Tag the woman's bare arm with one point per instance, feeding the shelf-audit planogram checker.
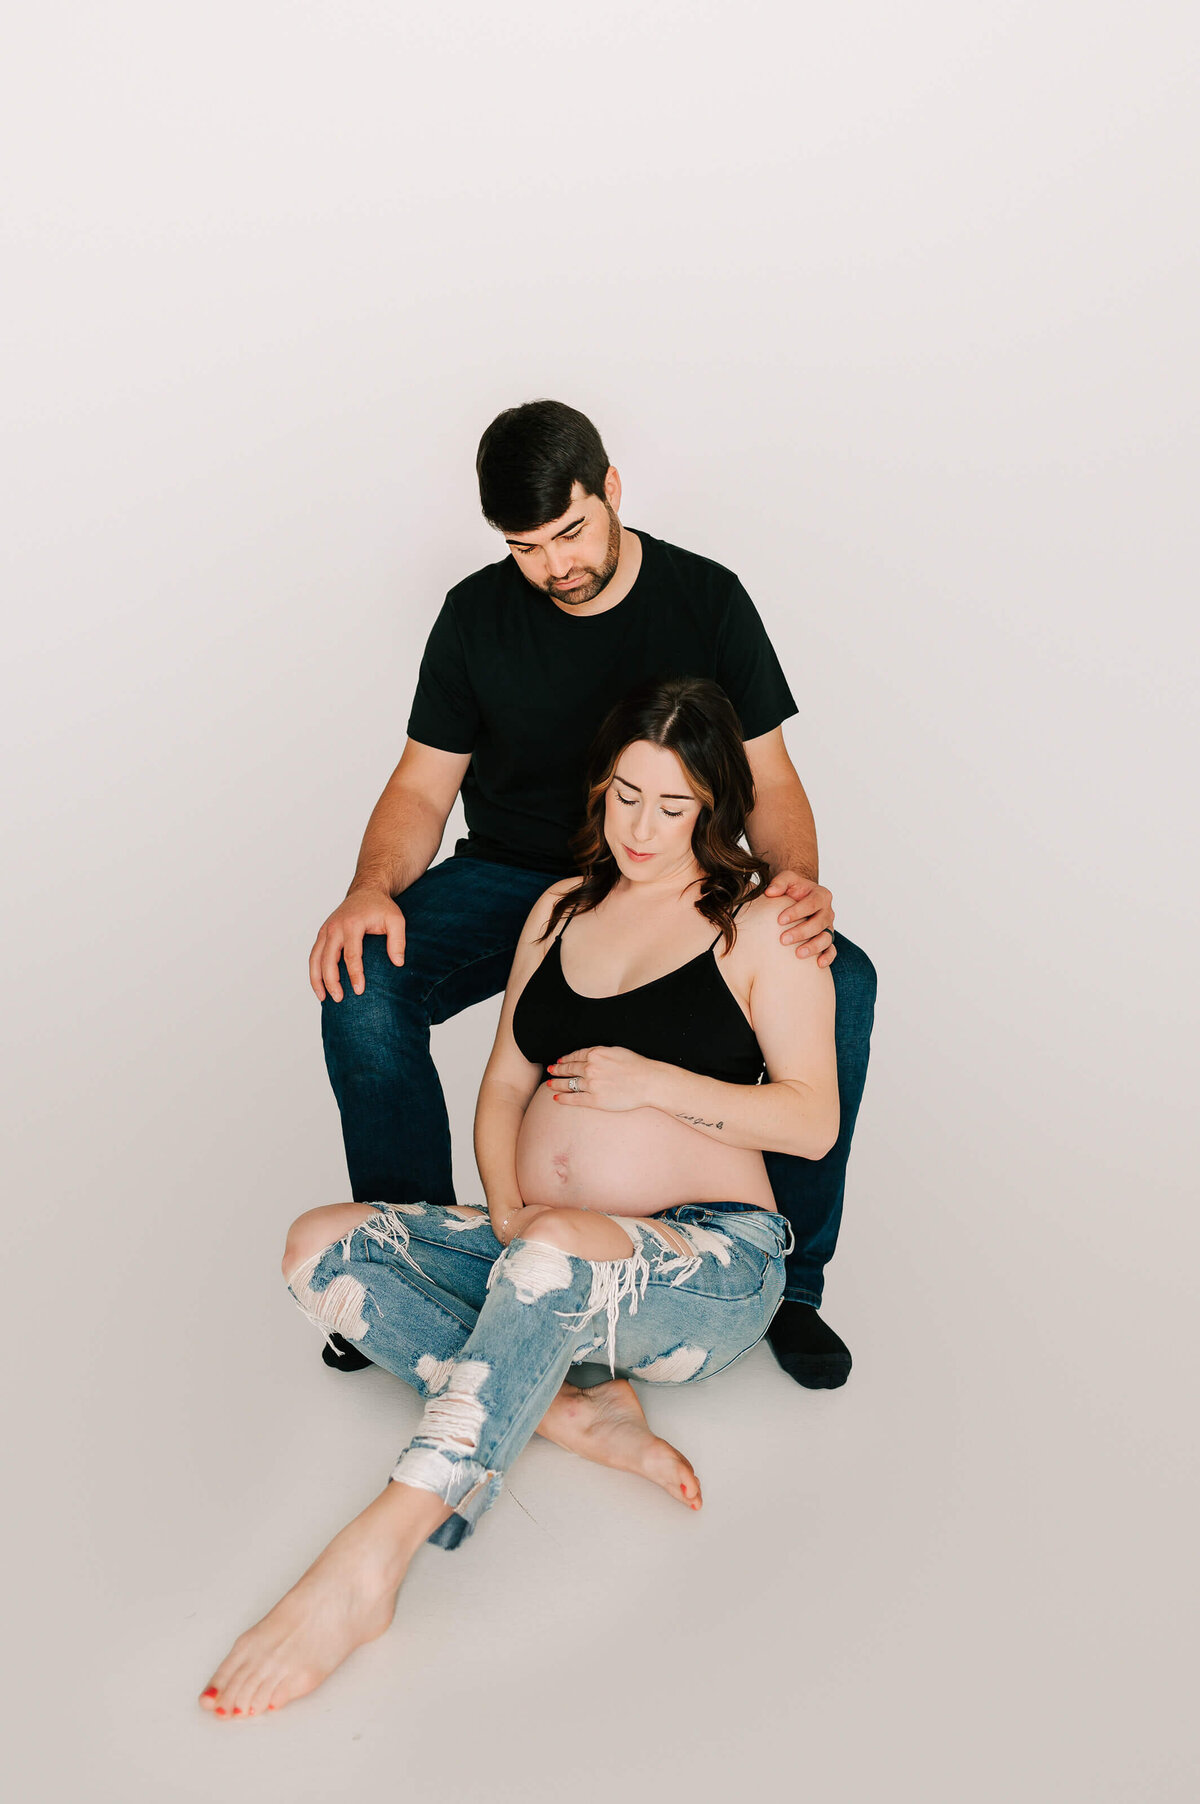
(509, 1082)
(791, 1005)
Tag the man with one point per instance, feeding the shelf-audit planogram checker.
(522, 664)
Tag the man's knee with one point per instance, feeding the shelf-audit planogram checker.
(371, 1032)
(854, 977)
(400, 984)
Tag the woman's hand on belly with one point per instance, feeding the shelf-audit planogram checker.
(603, 1077)
(631, 1163)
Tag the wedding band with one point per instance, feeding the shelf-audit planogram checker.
(574, 1083)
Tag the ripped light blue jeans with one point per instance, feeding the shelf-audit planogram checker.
(487, 1334)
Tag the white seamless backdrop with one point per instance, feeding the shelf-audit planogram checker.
(892, 310)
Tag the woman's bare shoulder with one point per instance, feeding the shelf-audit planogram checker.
(760, 937)
(539, 915)
(757, 916)
(753, 922)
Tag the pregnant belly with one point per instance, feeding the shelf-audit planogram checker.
(630, 1163)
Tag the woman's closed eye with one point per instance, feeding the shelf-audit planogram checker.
(672, 814)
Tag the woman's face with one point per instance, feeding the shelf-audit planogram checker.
(650, 809)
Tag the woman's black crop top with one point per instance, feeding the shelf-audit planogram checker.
(688, 1018)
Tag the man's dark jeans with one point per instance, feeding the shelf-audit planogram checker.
(464, 917)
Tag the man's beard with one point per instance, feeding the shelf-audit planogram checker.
(595, 580)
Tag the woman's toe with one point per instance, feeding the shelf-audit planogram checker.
(218, 1695)
(260, 1697)
(250, 1683)
(215, 1699)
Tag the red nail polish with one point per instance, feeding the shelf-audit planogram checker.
(237, 1710)
(270, 1706)
(220, 1710)
(210, 1693)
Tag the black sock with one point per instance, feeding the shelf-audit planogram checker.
(343, 1355)
(807, 1348)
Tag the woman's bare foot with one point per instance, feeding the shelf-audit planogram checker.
(346, 1597)
(606, 1424)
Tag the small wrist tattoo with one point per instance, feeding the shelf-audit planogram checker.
(697, 1121)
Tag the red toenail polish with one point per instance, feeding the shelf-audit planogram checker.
(210, 1693)
(220, 1709)
(237, 1710)
(270, 1706)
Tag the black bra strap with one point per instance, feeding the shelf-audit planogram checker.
(737, 911)
(566, 922)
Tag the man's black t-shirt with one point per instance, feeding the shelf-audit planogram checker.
(523, 687)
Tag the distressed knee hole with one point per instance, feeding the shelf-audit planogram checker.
(581, 1233)
(534, 1268)
(339, 1309)
(314, 1232)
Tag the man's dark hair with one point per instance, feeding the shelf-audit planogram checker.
(529, 460)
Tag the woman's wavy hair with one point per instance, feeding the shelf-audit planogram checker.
(693, 718)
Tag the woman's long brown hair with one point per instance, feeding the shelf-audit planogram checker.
(693, 718)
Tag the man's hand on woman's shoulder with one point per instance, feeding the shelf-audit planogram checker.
(364, 911)
(806, 920)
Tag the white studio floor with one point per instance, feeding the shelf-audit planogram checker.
(891, 309)
(958, 1578)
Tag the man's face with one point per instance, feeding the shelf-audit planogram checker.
(573, 558)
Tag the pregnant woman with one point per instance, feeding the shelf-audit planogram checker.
(655, 1039)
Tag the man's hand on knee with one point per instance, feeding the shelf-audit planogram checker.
(364, 911)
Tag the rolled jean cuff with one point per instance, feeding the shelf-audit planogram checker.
(464, 1484)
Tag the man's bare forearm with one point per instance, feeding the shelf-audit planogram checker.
(782, 831)
(400, 843)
